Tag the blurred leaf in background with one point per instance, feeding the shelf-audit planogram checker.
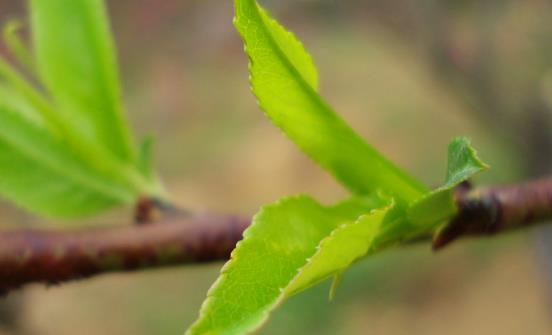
(68, 153)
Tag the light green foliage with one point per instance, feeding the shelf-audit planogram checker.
(145, 159)
(297, 243)
(76, 62)
(68, 153)
(284, 80)
(16, 46)
(345, 244)
(40, 174)
(290, 246)
(463, 163)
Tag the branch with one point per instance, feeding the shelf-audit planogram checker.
(28, 256)
(34, 256)
(492, 210)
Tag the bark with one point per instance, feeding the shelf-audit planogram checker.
(492, 210)
(53, 257)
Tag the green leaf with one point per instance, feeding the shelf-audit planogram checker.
(437, 206)
(284, 79)
(68, 154)
(39, 172)
(145, 158)
(291, 245)
(12, 98)
(16, 46)
(337, 252)
(76, 60)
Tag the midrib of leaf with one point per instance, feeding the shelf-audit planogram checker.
(13, 98)
(126, 147)
(21, 85)
(95, 156)
(48, 22)
(69, 174)
(401, 184)
(56, 165)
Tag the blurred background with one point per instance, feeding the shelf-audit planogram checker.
(408, 75)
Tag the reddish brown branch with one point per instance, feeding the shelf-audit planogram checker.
(492, 210)
(28, 256)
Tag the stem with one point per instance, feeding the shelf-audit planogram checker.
(29, 256)
(492, 210)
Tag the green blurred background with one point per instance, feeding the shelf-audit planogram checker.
(408, 75)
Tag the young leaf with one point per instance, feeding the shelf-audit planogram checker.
(145, 158)
(337, 252)
(76, 60)
(290, 246)
(40, 173)
(284, 79)
(69, 157)
(16, 46)
(463, 163)
(11, 97)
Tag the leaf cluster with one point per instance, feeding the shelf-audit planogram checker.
(296, 242)
(66, 149)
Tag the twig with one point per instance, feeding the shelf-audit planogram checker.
(28, 256)
(492, 210)
(34, 256)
